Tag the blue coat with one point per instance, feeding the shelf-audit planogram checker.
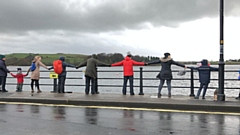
(204, 72)
(3, 68)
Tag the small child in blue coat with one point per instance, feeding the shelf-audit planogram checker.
(204, 76)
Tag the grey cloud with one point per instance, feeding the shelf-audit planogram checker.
(107, 15)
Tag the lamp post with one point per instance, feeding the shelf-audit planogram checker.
(221, 95)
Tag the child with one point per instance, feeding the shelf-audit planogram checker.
(204, 76)
(20, 80)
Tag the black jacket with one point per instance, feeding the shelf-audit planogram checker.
(3, 68)
(204, 72)
(166, 72)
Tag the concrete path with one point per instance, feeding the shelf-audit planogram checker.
(117, 100)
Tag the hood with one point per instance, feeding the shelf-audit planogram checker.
(62, 58)
(94, 56)
(127, 58)
(204, 62)
(165, 59)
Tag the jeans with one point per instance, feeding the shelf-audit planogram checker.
(125, 80)
(204, 86)
(161, 85)
(3, 82)
(61, 84)
(19, 87)
(87, 85)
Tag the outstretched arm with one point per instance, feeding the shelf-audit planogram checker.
(154, 62)
(178, 64)
(138, 63)
(13, 75)
(214, 69)
(117, 64)
(68, 65)
(82, 64)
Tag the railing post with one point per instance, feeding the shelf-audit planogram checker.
(96, 83)
(141, 82)
(55, 85)
(192, 84)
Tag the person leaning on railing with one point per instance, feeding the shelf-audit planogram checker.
(166, 72)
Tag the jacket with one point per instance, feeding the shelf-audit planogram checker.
(91, 67)
(204, 71)
(64, 65)
(19, 77)
(128, 64)
(36, 73)
(3, 68)
(166, 71)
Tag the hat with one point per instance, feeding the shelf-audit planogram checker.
(19, 69)
(2, 56)
(166, 54)
(129, 53)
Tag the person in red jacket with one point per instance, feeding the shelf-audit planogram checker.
(20, 79)
(128, 64)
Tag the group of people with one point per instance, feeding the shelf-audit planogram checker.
(91, 64)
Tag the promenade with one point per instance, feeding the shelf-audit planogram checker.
(182, 103)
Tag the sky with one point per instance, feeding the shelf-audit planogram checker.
(188, 29)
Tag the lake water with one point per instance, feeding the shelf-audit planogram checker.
(75, 77)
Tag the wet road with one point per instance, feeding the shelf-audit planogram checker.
(62, 120)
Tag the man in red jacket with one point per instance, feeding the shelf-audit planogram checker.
(128, 64)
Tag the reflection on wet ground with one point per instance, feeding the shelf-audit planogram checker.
(63, 118)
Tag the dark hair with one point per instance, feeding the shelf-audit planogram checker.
(166, 55)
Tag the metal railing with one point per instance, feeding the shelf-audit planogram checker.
(141, 79)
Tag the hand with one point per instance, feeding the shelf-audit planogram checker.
(145, 64)
(49, 68)
(109, 65)
(185, 67)
(76, 67)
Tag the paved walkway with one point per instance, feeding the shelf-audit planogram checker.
(118, 100)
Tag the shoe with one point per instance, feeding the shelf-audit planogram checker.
(97, 92)
(169, 95)
(203, 97)
(196, 97)
(32, 91)
(132, 94)
(159, 95)
(4, 91)
(124, 94)
(39, 91)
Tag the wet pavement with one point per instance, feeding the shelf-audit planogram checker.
(63, 120)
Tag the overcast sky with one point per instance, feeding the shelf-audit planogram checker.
(188, 29)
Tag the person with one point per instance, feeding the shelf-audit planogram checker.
(165, 72)
(204, 76)
(128, 64)
(35, 75)
(3, 73)
(91, 73)
(62, 76)
(20, 79)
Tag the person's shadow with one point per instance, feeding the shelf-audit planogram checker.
(91, 115)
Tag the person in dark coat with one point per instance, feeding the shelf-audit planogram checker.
(204, 76)
(91, 73)
(166, 72)
(3, 72)
(62, 76)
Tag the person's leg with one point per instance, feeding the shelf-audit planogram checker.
(4, 83)
(199, 91)
(32, 83)
(63, 84)
(87, 84)
(124, 90)
(204, 90)
(93, 85)
(59, 83)
(0, 83)
(131, 85)
(20, 87)
(160, 87)
(37, 85)
(169, 88)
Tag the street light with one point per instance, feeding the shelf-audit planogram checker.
(221, 95)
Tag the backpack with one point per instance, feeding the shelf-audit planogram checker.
(57, 65)
(33, 66)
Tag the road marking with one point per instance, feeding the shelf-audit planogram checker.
(124, 108)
